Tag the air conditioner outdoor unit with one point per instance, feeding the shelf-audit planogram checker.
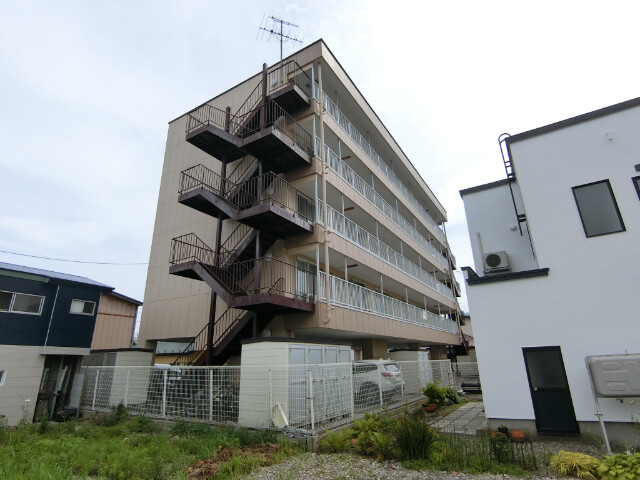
(496, 262)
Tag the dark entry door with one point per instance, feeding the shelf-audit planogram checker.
(550, 393)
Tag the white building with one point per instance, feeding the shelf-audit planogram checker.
(556, 272)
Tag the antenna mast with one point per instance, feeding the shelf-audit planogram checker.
(275, 28)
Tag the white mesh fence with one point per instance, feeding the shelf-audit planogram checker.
(306, 398)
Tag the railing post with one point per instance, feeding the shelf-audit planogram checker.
(310, 397)
(227, 119)
(264, 97)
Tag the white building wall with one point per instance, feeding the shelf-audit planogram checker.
(23, 366)
(588, 304)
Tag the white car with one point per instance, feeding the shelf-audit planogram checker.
(376, 382)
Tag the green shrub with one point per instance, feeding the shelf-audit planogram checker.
(574, 464)
(335, 442)
(452, 395)
(370, 423)
(435, 393)
(500, 447)
(620, 467)
(414, 438)
(142, 424)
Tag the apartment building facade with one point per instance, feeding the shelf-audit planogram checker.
(555, 277)
(283, 192)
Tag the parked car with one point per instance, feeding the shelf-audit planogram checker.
(373, 379)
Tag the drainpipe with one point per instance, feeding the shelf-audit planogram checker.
(53, 309)
(324, 199)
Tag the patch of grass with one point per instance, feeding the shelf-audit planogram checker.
(132, 448)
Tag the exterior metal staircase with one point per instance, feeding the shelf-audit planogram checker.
(261, 136)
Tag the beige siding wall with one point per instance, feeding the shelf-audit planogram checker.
(114, 323)
(23, 366)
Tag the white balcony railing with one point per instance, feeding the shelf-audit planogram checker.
(348, 229)
(354, 297)
(345, 172)
(365, 146)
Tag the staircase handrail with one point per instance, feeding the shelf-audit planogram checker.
(235, 238)
(277, 190)
(242, 167)
(224, 323)
(277, 117)
(287, 73)
(190, 247)
(200, 176)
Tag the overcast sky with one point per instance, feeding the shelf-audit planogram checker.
(87, 89)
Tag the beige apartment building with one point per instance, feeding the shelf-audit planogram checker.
(284, 191)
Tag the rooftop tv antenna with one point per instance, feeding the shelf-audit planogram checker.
(279, 29)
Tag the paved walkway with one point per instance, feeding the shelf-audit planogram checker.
(468, 419)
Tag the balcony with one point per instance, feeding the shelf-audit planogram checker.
(354, 297)
(290, 86)
(348, 229)
(263, 284)
(352, 178)
(262, 202)
(335, 113)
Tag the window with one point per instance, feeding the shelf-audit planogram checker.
(3, 374)
(598, 209)
(21, 303)
(83, 307)
(636, 182)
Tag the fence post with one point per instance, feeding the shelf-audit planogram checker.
(270, 394)
(310, 397)
(380, 386)
(126, 389)
(164, 393)
(352, 396)
(95, 390)
(211, 395)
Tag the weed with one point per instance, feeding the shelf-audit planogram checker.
(575, 465)
(414, 438)
(335, 442)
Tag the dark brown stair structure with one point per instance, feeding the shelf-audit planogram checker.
(265, 201)
(265, 284)
(261, 136)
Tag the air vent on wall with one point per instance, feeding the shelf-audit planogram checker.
(496, 262)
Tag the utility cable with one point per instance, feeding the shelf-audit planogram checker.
(72, 261)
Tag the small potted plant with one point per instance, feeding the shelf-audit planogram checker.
(429, 407)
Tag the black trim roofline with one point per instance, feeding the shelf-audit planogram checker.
(486, 186)
(618, 107)
(474, 279)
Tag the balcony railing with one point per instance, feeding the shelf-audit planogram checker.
(200, 176)
(352, 178)
(348, 229)
(354, 297)
(356, 136)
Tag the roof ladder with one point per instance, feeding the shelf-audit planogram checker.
(511, 174)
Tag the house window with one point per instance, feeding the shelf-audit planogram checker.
(83, 307)
(3, 374)
(21, 303)
(598, 209)
(636, 183)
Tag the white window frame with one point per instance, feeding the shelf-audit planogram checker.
(13, 299)
(83, 304)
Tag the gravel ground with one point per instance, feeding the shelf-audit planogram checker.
(353, 467)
